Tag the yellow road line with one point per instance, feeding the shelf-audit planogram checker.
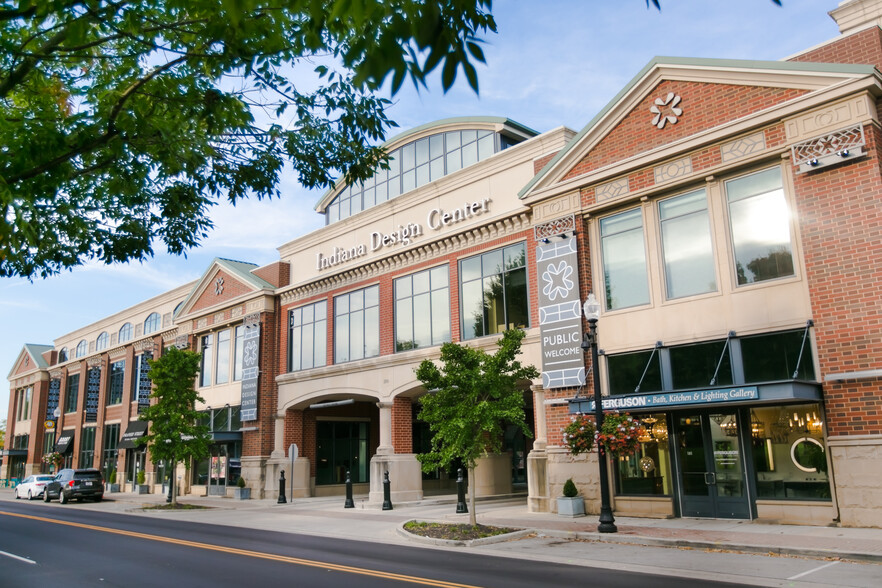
(249, 553)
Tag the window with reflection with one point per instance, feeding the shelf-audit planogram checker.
(308, 336)
(222, 369)
(778, 356)
(116, 379)
(102, 341)
(63, 355)
(789, 452)
(760, 223)
(697, 365)
(624, 260)
(125, 333)
(72, 393)
(82, 348)
(648, 471)
(357, 325)
(87, 448)
(342, 446)
(207, 360)
(630, 373)
(238, 351)
(152, 324)
(494, 296)
(422, 309)
(686, 245)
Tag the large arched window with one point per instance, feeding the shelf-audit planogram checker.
(152, 323)
(101, 341)
(82, 348)
(63, 354)
(125, 333)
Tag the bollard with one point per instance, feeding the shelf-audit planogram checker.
(349, 503)
(282, 489)
(387, 501)
(460, 493)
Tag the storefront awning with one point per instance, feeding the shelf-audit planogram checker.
(771, 393)
(65, 440)
(136, 430)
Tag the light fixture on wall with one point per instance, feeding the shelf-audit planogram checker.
(757, 427)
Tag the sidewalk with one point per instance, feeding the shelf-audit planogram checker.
(326, 516)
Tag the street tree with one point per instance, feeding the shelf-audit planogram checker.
(2, 433)
(471, 399)
(122, 122)
(175, 435)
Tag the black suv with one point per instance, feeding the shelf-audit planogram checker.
(69, 484)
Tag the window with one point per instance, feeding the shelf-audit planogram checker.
(695, 366)
(63, 354)
(494, 292)
(627, 371)
(152, 324)
(624, 260)
(646, 472)
(205, 370)
(117, 377)
(87, 448)
(789, 452)
(222, 373)
(357, 325)
(110, 453)
(422, 309)
(48, 447)
(23, 402)
(82, 348)
(101, 341)
(238, 356)
(141, 384)
(125, 333)
(71, 393)
(308, 336)
(777, 356)
(686, 245)
(760, 224)
(342, 446)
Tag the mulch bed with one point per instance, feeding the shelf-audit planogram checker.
(455, 532)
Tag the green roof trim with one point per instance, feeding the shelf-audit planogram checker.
(240, 269)
(703, 62)
(493, 120)
(36, 352)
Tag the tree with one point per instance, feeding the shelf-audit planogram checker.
(2, 433)
(175, 435)
(122, 122)
(472, 397)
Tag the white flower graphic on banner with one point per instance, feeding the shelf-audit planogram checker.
(557, 280)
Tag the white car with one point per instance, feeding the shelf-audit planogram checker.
(32, 486)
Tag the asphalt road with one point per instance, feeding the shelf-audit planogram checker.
(44, 545)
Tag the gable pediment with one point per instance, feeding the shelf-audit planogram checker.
(224, 282)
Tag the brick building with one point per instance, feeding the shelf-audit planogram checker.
(724, 213)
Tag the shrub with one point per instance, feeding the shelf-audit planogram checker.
(569, 489)
(240, 482)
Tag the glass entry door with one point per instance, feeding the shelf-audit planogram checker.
(217, 470)
(711, 465)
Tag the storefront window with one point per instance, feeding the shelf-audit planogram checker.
(777, 356)
(760, 222)
(624, 260)
(648, 471)
(789, 452)
(686, 244)
(628, 371)
(494, 292)
(701, 365)
(110, 453)
(422, 309)
(87, 448)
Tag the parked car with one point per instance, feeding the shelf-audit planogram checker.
(32, 486)
(80, 484)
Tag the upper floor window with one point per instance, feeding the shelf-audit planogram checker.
(238, 351)
(82, 348)
(207, 360)
(222, 371)
(760, 222)
(152, 324)
(116, 380)
(357, 325)
(125, 333)
(686, 245)
(494, 292)
(102, 341)
(422, 309)
(308, 336)
(416, 164)
(24, 397)
(624, 260)
(72, 393)
(63, 354)
(222, 356)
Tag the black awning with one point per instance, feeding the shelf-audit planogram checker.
(136, 430)
(65, 440)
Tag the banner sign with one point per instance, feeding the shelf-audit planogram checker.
(662, 399)
(93, 393)
(560, 314)
(250, 366)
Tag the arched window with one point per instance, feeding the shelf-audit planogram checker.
(152, 323)
(125, 333)
(82, 348)
(62, 355)
(101, 341)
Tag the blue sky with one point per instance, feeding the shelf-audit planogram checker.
(557, 65)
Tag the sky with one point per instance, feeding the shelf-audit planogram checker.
(547, 67)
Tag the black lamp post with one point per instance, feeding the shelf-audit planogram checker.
(592, 314)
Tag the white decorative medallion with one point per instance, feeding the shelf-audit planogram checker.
(666, 110)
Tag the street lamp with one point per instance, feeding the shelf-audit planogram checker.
(592, 313)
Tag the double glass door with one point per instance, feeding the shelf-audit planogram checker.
(711, 465)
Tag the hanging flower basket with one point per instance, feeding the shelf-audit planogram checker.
(579, 434)
(620, 434)
(53, 458)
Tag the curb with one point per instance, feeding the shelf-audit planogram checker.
(461, 543)
(696, 544)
